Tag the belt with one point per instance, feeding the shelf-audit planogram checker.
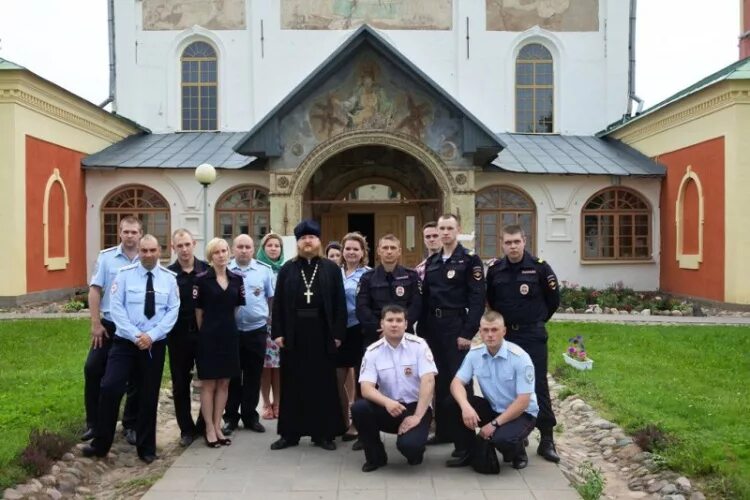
(443, 312)
(107, 322)
(523, 326)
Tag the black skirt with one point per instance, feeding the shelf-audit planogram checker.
(349, 353)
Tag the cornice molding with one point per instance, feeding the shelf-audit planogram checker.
(36, 98)
(663, 121)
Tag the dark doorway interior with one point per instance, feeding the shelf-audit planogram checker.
(365, 224)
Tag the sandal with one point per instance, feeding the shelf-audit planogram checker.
(267, 412)
(276, 410)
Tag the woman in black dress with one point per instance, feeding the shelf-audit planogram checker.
(217, 293)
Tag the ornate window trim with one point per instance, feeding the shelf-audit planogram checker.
(499, 211)
(616, 214)
(219, 211)
(688, 261)
(56, 263)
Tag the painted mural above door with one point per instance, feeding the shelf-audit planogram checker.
(369, 93)
(383, 14)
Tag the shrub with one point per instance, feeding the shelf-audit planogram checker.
(651, 438)
(44, 448)
(73, 306)
(593, 481)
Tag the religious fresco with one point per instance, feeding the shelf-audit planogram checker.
(368, 93)
(553, 15)
(382, 14)
(181, 14)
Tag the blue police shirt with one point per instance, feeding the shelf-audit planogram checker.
(398, 370)
(351, 284)
(258, 280)
(107, 264)
(501, 377)
(129, 299)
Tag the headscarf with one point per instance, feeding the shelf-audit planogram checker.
(262, 257)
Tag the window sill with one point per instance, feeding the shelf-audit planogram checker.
(616, 261)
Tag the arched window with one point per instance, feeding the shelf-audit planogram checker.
(141, 202)
(534, 90)
(616, 226)
(199, 87)
(499, 206)
(243, 210)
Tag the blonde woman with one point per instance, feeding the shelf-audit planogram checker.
(218, 293)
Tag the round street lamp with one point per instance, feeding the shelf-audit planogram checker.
(205, 174)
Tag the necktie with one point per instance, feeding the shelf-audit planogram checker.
(150, 308)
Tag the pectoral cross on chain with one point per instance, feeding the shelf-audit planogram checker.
(308, 294)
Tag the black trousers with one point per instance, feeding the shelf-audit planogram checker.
(125, 359)
(534, 342)
(371, 418)
(93, 371)
(507, 439)
(244, 391)
(183, 348)
(442, 337)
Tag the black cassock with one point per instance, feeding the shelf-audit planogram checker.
(309, 399)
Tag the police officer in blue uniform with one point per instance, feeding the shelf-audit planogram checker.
(524, 290)
(453, 302)
(103, 329)
(398, 382)
(145, 304)
(507, 412)
(388, 283)
(182, 341)
(252, 324)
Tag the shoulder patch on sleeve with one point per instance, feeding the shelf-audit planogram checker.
(376, 344)
(477, 272)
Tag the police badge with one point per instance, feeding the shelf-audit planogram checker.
(400, 291)
(524, 289)
(451, 274)
(407, 371)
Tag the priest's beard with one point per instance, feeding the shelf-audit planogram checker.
(309, 250)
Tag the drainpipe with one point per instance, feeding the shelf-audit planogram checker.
(111, 30)
(631, 65)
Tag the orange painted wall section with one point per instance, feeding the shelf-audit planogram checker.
(41, 159)
(691, 214)
(707, 161)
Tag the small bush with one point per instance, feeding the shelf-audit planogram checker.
(74, 306)
(44, 448)
(593, 481)
(651, 438)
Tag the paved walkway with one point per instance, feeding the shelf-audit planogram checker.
(248, 469)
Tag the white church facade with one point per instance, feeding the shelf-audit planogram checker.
(378, 116)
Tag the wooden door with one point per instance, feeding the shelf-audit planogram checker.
(333, 227)
(405, 223)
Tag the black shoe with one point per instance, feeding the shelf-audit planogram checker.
(229, 428)
(130, 436)
(547, 451)
(89, 451)
(349, 437)
(326, 444)
(186, 440)
(461, 461)
(282, 443)
(520, 461)
(434, 439)
(358, 446)
(255, 427)
(369, 467)
(88, 435)
(148, 459)
(414, 461)
(457, 453)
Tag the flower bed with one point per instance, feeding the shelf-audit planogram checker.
(618, 299)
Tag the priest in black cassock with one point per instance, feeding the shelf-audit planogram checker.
(309, 324)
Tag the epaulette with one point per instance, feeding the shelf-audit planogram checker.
(108, 250)
(263, 264)
(199, 275)
(492, 261)
(376, 344)
(477, 346)
(414, 338)
(540, 260)
(515, 349)
(128, 267)
(168, 270)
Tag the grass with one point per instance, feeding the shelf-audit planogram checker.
(41, 385)
(690, 382)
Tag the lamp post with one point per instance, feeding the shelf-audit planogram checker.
(206, 175)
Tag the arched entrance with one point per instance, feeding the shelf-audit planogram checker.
(375, 183)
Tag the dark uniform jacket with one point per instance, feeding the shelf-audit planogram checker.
(289, 285)
(185, 281)
(525, 293)
(376, 291)
(456, 285)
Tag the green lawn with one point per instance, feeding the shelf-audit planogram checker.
(41, 383)
(693, 382)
